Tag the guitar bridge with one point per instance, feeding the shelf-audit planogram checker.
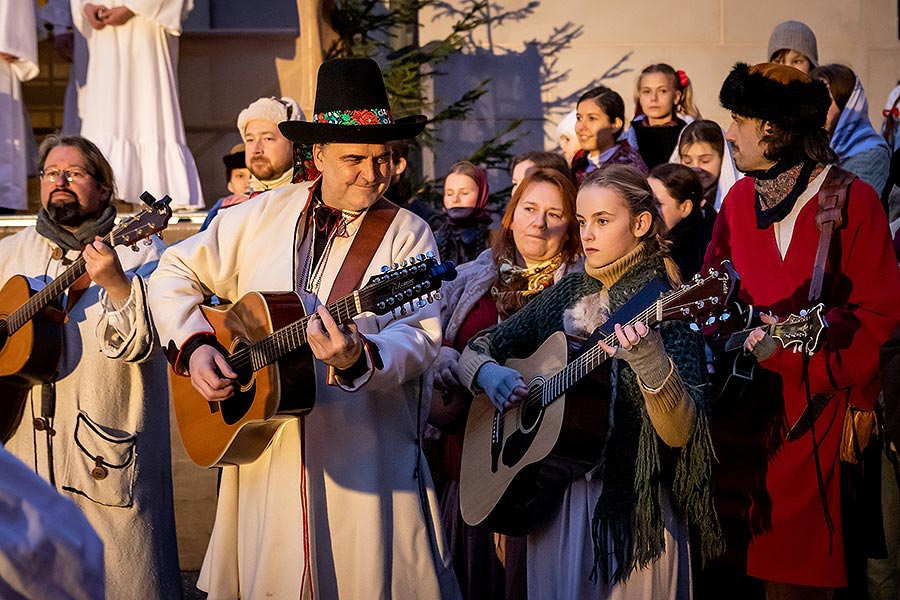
(496, 440)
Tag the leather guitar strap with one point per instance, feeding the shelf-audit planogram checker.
(366, 241)
(830, 216)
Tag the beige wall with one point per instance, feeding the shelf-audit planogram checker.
(223, 72)
(704, 38)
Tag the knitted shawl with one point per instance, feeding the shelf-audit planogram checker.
(628, 516)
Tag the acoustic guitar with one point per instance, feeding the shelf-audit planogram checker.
(31, 320)
(264, 338)
(516, 464)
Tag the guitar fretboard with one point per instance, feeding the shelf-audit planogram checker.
(36, 303)
(579, 368)
(290, 337)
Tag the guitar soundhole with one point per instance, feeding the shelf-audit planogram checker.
(531, 412)
(3, 329)
(234, 408)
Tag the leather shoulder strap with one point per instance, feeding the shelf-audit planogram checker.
(375, 224)
(829, 216)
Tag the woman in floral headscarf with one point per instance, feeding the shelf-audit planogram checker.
(536, 245)
(462, 231)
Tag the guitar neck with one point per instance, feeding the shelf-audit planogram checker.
(45, 296)
(579, 368)
(291, 337)
(737, 339)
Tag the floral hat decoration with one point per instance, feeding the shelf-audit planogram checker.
(352, 107)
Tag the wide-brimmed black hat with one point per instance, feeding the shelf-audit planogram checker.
(352, 107)
(776, 93)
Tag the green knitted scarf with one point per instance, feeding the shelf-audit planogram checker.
(628, 516)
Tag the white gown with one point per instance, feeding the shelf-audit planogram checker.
(18, 37)
(129, 105)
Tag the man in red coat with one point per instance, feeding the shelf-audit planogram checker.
(785, 496)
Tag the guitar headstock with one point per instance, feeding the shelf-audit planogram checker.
(803, 331)
(151, 219)
(702, 296)
(414, 281)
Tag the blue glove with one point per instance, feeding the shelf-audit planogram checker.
(504, 386)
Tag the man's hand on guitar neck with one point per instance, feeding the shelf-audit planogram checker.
(211, 375)
(102, 264)
(759, 343)
(338, 346)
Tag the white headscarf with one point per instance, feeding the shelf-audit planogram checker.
(728, 175)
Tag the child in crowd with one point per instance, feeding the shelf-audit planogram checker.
(600, 119)
(522, 164)
(702, 146)
(462, 231)
(793, 43)
(237, 177)
(566, 137)
(664, 104)
(860, 149)
(680, 195)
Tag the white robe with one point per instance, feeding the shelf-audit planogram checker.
(58, 13)
(18, 37)
(112, 401)
(129, 105)
(371, 529)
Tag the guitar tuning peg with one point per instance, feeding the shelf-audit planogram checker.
(429, 298)
(429, 254)
(420, 256)
(148, 242)
(421, 303)
(159, 235)
(135, 248)
(437, 294)
(694, 327)
(396, 265)
(385, 269)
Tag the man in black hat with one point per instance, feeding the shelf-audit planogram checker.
(778, 478)
(341, 502)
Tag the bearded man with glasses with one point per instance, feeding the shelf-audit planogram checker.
(99, 432)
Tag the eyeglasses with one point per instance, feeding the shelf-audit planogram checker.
(71, 175)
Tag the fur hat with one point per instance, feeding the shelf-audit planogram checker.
(776, 93)
(271, 109)
(352, 107)
(794, 35)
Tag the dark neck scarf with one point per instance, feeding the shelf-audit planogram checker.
(778, 188)
(657, 142)
(76, 240)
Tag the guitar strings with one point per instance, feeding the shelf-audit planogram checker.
(592, 358)
(278, 343)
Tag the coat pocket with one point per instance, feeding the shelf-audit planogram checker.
(101, 467)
